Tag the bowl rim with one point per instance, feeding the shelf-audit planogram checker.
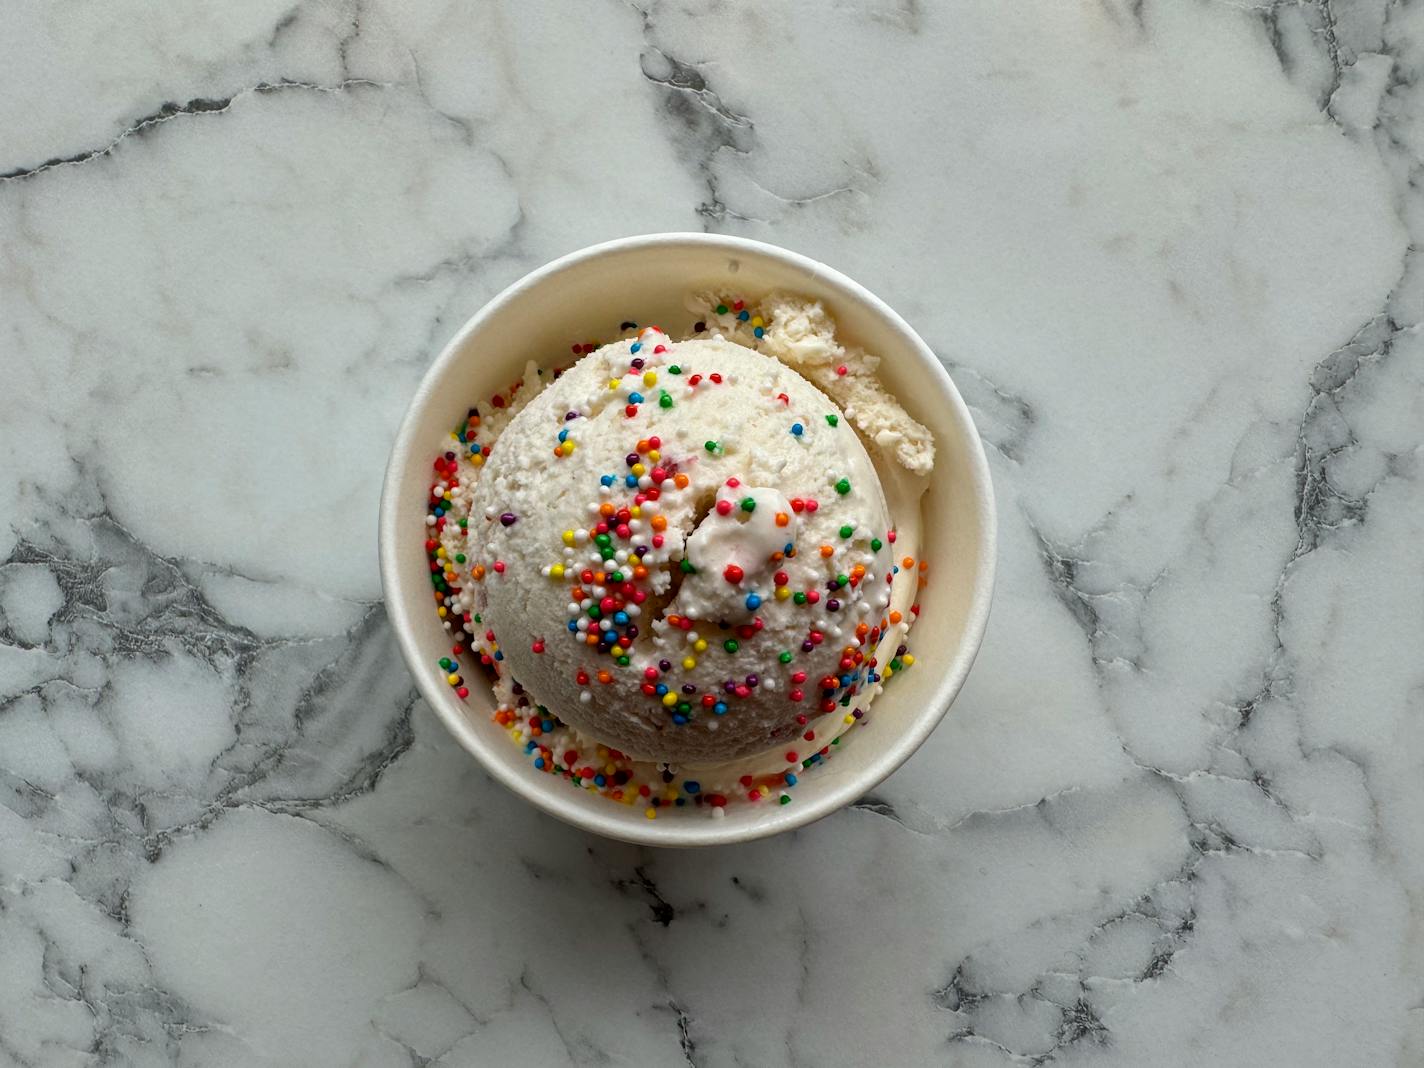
(399, 600)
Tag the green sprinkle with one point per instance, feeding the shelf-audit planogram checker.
(617, 576)
(897, 663)
(748, 504)
(843, 581)
(464, 523)
(607, 553)
(843, 486)
(674, 370)
(785, 657)
(847, 530)
(477, 618)
(446, 663)
(799, 597)
(731, 645)
(786, 799)
(721, 309)
(602, 540)
(684, 707)
(833, 420)
(665, 401)
(686, 567)
(710, 446)
(594, 612)
(624, 661)
(459, 558)
(875, 544)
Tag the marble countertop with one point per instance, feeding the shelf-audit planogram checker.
(1171, 253)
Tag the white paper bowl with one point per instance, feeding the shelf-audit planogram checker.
(585, 295)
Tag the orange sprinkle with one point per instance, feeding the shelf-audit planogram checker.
(592, 639)
(782, 519)
(599, 577)
(604, 676)
(862, 629)
(660, 522)
(827, 551)
(895, 617)
(606, 509)
(906, 563)
(680, 480)
(478, 572)
(640, 572)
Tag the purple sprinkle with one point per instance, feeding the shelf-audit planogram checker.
(570, 415)
(687, 687)
(752, 680)
(901, 651)
(807, 646)
(509, 519)
(632, 631)
(518, 689)
(631, 459)
(640, 551)
(832, 605)
(729, 686)
(637, 363)
(665, 665)
(857, 713)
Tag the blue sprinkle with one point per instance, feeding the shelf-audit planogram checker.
(546, 725)
(790, 779)
(692, 786)
(564, 434)
(744, 315)
(620, 618)
(529, 747)
(661, 689)
(637, 346)
(797, 429)
(720, 708)
(573, 627)
(787, 548)
(679, 718)
(680, 802)
(759, 332)
(753, 601)
(498, 655)
(631, 481)
(894, 569)
(635, 398)
(539, 763)
(606, 480)
(439, 512)
(599, 780)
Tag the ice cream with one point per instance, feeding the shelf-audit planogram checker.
(679, 557)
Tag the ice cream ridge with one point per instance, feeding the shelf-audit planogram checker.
(677, 559)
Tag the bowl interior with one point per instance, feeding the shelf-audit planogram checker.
(585, 297)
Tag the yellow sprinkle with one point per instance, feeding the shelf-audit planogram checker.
(478, 459)
(567, 448)
(556, 571)
(655, 455)
(669, 699)
(638, 469)
(689, 662)
(613, 383)
(757, 320)
(650, 378)
(441, 612)
(849, 719)
(617, 650)
(440, 552)
(651, 813)
(452, 679)
(887, 672)
(700, 645)
(455, 435)
(609, 769)
(568, 537)
(782, 593)
(907, 659)
(670, 794)
(636, 511)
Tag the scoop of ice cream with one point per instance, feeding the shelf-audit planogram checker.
(683, 550)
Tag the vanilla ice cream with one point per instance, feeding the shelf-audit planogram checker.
(680, 554)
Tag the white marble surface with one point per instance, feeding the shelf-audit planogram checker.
(1171, 252)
